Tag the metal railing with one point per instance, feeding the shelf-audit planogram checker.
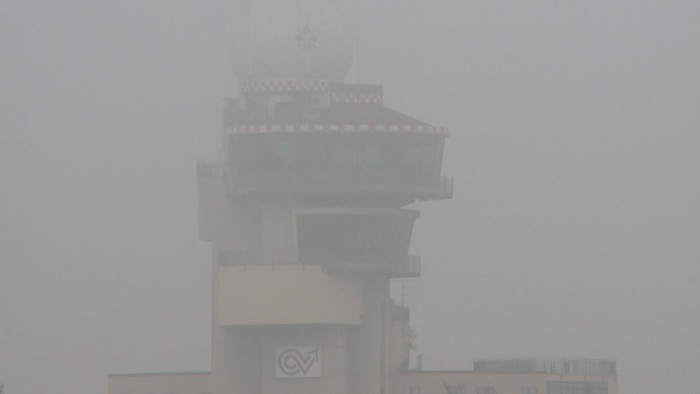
(447, 185)
(413, 265)
(410, 267)
(563, 366)
(333, 181)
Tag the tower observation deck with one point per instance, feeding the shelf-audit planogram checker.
(305, 211)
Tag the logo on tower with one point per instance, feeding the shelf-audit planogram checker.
(299, 362)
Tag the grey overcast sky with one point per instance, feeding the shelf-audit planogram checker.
(574, 230)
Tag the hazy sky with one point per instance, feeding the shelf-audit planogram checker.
(574, 230)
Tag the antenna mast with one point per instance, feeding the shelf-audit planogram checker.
(357, 40)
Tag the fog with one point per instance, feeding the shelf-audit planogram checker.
(574, 230)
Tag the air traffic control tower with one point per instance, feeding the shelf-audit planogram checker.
(304, 211)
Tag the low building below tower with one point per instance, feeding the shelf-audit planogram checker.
(497, 376)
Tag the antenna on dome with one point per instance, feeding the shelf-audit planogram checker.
(357, 41)
(249, 43)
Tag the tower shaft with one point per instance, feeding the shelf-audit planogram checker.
(305, 214)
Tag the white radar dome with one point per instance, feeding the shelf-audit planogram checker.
(292, 40)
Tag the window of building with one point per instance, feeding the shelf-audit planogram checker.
(456, 389)
(577, 388)
(353, 238)
(528, 390)
(417, 156)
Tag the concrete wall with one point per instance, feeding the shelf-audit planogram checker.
(159, 383)
(334, 344)
(369, 359)
(288, 294)
(228, 222)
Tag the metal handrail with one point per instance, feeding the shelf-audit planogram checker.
(447, 185)
(277, 256)
(413, 265)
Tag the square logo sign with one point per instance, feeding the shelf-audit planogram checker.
(299, 362)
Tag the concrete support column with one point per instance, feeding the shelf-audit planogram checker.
(368, 350)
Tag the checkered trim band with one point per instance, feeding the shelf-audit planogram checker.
(277, 128)
(356, 98)
(283, 86)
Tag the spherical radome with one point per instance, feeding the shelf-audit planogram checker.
(292, 39)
